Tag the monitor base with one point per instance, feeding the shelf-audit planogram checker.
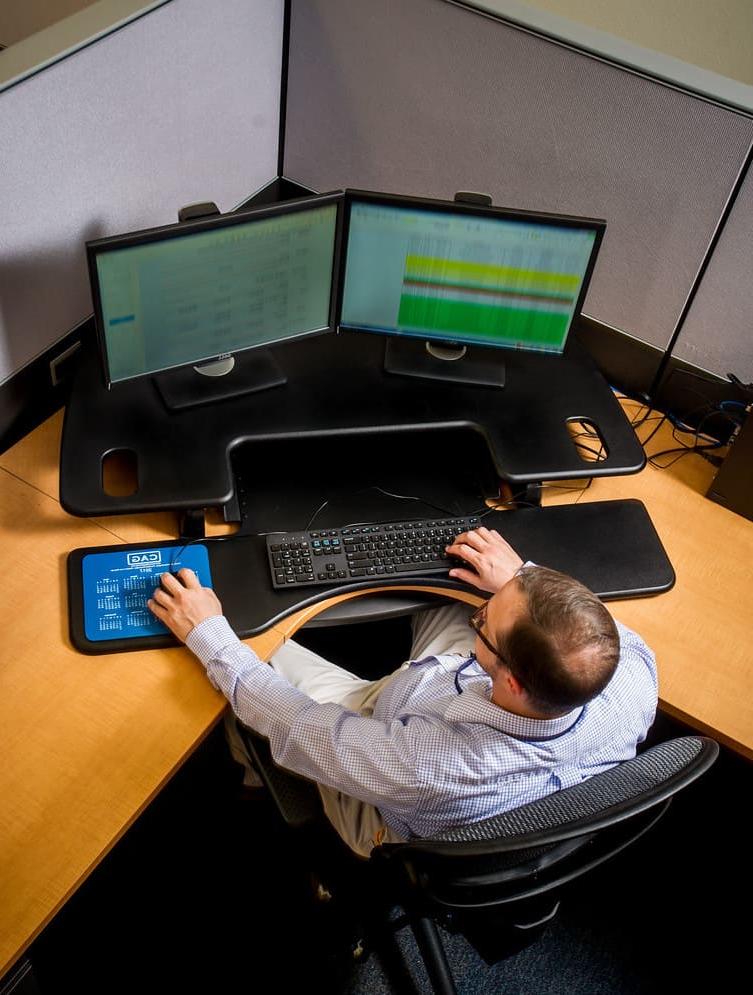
(413, 357)
(188, 388)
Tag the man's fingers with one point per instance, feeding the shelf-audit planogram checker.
(189, 578)
(162, 597)
(465, 552)
(480, 538)
(467, 576)
(470, 539)
(170, 583)
(156, 609)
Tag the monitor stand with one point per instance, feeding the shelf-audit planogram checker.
(453, 363)
(220, 380)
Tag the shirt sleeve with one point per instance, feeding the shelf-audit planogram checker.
(640, 657)
(634, 688)
(328, 743)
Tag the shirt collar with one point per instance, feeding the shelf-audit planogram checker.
(474, 705)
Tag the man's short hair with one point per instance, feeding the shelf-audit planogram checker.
(564, 651)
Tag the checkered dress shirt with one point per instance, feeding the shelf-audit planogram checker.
(430, 758)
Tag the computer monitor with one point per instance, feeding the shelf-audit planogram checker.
(201, 298)
(454, 283)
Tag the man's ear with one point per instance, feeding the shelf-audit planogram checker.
(514, 684)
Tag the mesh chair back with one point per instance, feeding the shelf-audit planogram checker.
(541, 845)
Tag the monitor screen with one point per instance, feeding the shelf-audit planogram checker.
(461, 273)
(193, 292)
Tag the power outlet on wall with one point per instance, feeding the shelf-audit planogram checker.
(63, 365)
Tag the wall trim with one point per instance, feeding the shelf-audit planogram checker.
(40, 388)
(630, 56)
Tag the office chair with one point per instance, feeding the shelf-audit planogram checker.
(498, 882)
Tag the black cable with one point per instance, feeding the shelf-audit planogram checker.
(565, 487)
(684, 448)
(643, 401)
(392, 494)
(411, 497)
(653, 432)
(682, 451)
(321, 507)
(681, 426)
(598, 453)
(482, 512)
(674, 422)
(510, 503)
(721, 413)
(178, 550)
(646, 417)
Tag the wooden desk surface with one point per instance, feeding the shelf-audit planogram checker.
(701, 630)
(86, 742)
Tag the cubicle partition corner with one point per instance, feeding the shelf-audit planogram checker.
(471, 101)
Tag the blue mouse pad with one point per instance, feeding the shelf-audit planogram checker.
(117, 585)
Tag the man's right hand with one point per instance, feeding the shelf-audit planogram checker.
(494, 561)
(181, 604)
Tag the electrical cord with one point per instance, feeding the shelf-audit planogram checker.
(565, 487)
(702, 443)
(177, 551)
(481, 512)
(681, 451)
(684, 448)
(392, 494)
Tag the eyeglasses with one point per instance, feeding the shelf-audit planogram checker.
(477, 621)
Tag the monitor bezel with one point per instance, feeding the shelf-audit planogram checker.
(352, 195)
(99, 246)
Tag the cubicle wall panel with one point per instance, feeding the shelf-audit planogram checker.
(179, 106)
(718, 332)
(427, 98)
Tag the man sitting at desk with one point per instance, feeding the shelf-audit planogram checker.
(536, 691)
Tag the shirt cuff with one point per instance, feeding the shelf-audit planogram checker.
(207, 638)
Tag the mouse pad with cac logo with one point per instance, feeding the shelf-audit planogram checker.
(115, 586)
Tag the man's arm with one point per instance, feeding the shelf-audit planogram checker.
(494, 561)
(360, 756)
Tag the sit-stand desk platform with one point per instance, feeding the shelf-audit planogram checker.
(337, 389)
(344, 442)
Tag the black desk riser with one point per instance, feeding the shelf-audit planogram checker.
(338, 442)
(336, 388)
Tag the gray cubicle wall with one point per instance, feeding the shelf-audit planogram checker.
(424, 97)
(179, 106)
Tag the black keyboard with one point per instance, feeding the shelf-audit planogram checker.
(331, 556)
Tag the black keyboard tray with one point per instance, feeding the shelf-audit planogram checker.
(611, 546)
